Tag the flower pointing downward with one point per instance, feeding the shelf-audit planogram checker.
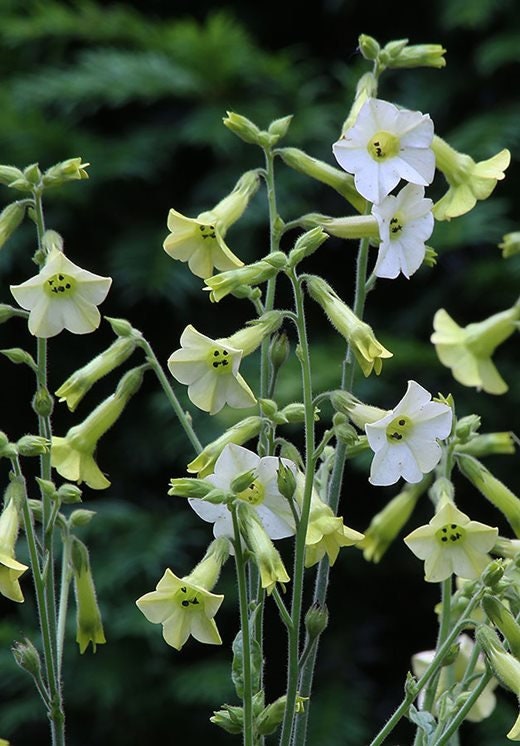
(405, 440)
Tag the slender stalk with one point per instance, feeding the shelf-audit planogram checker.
(170, 395)
(66, 576)
(299, 567)
(453, 727)
(247, 697)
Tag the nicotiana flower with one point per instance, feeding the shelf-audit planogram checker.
(264, 554)
(239, 433)
(10, 569)
(89, 625)
(186, 606)
(468, 181)
(405, 223)
(451, 543)
(262, 493)
(505, 666)
(200, 241)
(405, 440)
(386, 144)
(62, 296)
(467, 350)
(210, 370)
(486, 702)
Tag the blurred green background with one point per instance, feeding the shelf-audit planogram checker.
(139, 90)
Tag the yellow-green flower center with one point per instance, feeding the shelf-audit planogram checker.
(188, 598)
(253, 494)
(451, 533)
(399, 428)
(396, 226)
(383, 145)
(207, 231)
(220, 360)
(60, 285)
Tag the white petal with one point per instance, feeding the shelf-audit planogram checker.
(208, 511)
(186, 370)
(234, 460)
(274, 525)
(384, 469)
(206, 393)
(44, 322)
(28, 293)
(79, 316)
(416, 165)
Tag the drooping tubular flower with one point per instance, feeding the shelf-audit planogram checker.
(468, 181)
(10, 569)
(62, 296)
(200, 241)
(405, 440)
(261, 493)
(383, 146)
(89, 625)
(186, 606)
(405, 223)
(467, 350)
(451, 543)
(368, 352)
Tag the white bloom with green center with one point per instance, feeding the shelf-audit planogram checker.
(452, 544)
(262, 493)
(386, 144)
(405, 441)
(405, 223)
(183, 608)
(62, 296)
(210, 370)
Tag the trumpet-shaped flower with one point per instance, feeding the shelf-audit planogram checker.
(200, 241)
(89, 625)
(467, 350)
(261, 493)
(451, 543)
(486, 702)
(62, 296)
(405, 440)
(468, 181)
(266, 557)
(239, 433)
(326, 533)
(210, 370)
(185, 606)
(386, 144)
(10, 569)
(368, 351)
(405, 223)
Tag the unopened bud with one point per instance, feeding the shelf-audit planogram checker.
(189, 487)
(493, 573)
(286, 480)
(316, 620)
(243, 481)
(504, 620)
(122, 327)
(43, 403)
(230, 719)
(18, 356)
(368, 47)
(69, 494)
(245, 129)
(466, 427)
(279, 349)
(279, 127)
(8, 174)
(81, 517)
(307, 245)
(32, 445)
(27, 657)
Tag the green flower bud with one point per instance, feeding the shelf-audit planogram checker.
(32, 445)
(286, 480)
(505, 666)
(69, 494)
(268, 407)
(245, 129)
(32, 174)
(68, 170)
(242, 481)
(10, 218)
(230, 719)
(278, 128)
(18, 356)
(292, 413)
(316, 620)
(8, 174)
(306, 245)
(488, 444)
(253, 334)
(43, 403)
(81, 517)
(343, 430)
(279, 349)
(27, 657)
(368, 47)
(493, 573)
(467, 427)
(122, 327)
(7, 312)
(510, 244)
(504, 620)
(353, 226)
(399, 54)
(189, 487)
(359, 413)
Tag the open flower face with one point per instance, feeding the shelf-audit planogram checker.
(452, 544)
(262, 493)
(183, 609)
(467, 350)
(405, 440)
(210, 370)
(385, 145)
(405, 223)
(199, 242)
(62, 296)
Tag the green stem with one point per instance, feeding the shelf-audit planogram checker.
(183, 418)
(453, 727)
(66, 576)
(247, 697)
(299, 566)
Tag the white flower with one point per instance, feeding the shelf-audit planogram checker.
(62, 296)
(262, 494)
(405, 223)
(384, 145)
(405, 440)
(210, 370)
(452, 544)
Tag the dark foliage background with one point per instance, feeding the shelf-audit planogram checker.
(139, 91)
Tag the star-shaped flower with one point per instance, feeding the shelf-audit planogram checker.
(467, 350)
(210, 370)
(405, 223)
(405, 440)
(62, 296)
(262, 493)
(452, 544)
(386, 144)
(326, 533)
(183, 609)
